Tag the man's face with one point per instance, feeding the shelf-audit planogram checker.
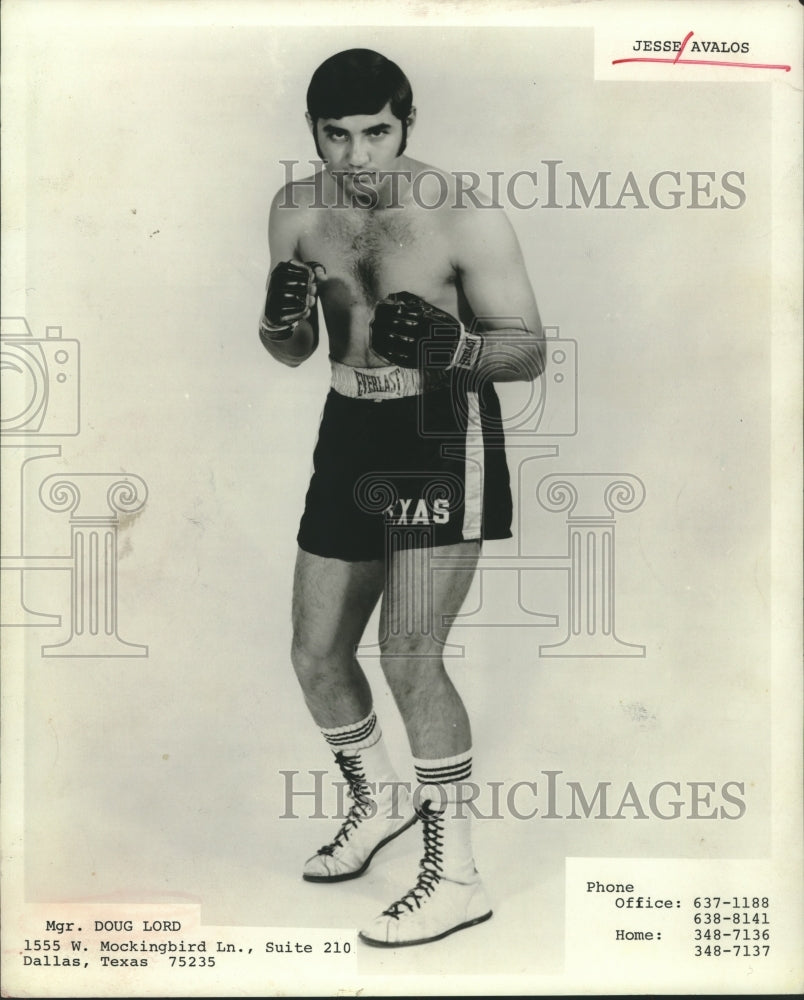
(360, 144)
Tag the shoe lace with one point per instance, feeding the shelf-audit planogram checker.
(430, 866)
(360, 795)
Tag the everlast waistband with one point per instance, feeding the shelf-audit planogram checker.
(388, 382)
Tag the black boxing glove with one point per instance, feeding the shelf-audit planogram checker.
(286, 303)
(412, 333)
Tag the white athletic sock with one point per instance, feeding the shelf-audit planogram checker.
(356, 736)
(441, 780)
(367, 762)
(447, 772)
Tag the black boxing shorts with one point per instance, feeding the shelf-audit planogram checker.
(396, 466)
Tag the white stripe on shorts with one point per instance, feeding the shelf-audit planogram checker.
(474, 470)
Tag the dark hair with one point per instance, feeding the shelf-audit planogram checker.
(358, 82)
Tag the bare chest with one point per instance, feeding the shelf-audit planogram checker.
(368, 255)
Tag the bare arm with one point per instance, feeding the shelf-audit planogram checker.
(493, 277)
(283, 230)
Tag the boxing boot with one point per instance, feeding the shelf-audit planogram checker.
(448, 895)
(380, 810)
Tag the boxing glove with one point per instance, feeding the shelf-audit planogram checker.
(290, 288)
(410, 332)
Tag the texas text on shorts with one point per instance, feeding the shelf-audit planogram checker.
(418, 293)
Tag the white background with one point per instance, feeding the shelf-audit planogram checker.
(151, 152)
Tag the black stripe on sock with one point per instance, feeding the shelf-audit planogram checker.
(447, 773)
(354, 735)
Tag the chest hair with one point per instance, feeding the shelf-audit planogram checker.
(365, 240)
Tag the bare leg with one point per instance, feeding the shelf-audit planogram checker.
(448, 895)
(332, 602)
(418, 596)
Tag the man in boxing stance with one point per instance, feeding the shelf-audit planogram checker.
(409, 464)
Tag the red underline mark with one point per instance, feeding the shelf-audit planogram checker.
(687, 37)
(698, 62)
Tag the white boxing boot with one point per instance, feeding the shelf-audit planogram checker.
(448, 895)
(381, 809)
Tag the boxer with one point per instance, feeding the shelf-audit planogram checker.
(409, 465)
